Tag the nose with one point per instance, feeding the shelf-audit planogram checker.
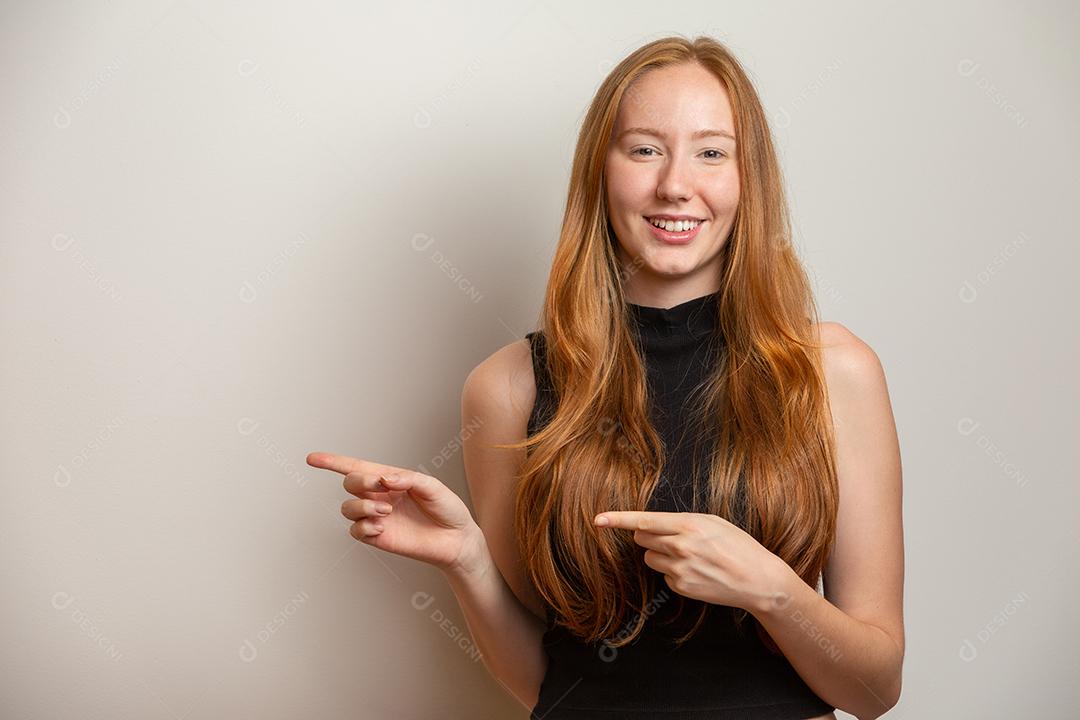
(675, 182)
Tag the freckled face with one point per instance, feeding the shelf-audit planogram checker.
(674, 170)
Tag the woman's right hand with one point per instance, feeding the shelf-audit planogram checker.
(423, 518)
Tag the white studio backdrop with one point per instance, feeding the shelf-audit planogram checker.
(233, 234)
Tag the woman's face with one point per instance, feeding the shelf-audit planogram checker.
(660, 163)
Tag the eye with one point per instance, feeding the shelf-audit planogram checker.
(650, 152)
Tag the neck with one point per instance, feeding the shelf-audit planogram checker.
(668, 296)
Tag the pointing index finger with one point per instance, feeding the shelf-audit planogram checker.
(658, 523)
(344, 464)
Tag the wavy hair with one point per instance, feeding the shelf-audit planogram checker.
(764, 402)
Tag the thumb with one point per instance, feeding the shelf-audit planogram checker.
(432, 495)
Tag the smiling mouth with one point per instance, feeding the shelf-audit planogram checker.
(681, 225)
(682, 235)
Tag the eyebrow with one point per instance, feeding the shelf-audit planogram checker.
(708, 132)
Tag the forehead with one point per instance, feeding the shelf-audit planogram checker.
(676, 99)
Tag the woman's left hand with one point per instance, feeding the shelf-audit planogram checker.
(704, 556)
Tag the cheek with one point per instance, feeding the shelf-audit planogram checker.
(729, 202)
(627, 187)
(731, 188)
(723, 196)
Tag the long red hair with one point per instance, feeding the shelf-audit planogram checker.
(764, 403)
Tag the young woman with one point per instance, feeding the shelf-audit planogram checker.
(666, 468)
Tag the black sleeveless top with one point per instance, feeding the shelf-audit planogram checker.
(718, 674)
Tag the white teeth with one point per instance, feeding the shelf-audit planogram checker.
(675, 225)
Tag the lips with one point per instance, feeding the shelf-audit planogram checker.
(672, 217)
(675, 238)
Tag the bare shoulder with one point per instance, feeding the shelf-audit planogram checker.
(502, 384)
(496, 402)
(864, 576)
(845, 354)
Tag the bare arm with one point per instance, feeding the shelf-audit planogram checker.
(504, 614)
(507, 634)
(849, 645)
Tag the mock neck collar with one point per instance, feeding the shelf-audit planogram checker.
(695, 317)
